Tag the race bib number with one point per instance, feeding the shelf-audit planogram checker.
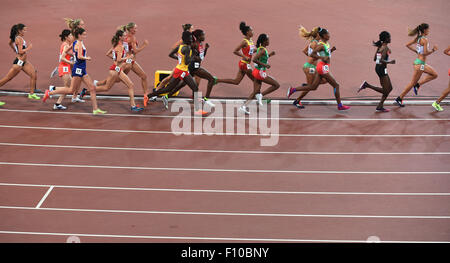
(312, 70)
(378, 61)
(129, 60)
(117, 69)
(65, 69)
(263, 74)
(326, 69)
(183, 75)
(252, 50)
(422, 67)
(202, 56)
(78, 71)
(385, 71)
(196, 65)
(125, 46)
(249, 66)
(20, 62)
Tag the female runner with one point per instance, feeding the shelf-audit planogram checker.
(64, 70)
(309, 68)
(181, 73)
(261, 60)
(323, 52)
(436, 105)
(116, 72)
(245, 50)
(195, 66)
(381, 60)
(21, 63)
(422, 50)
(79, 73)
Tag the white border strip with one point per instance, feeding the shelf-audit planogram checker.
(219, 170)
(209, 238)
(222, 190)
(239, 100)
(225, 134)
(214, 151)
(54, 209)
(225, 117)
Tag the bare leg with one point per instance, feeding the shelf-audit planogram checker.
(416, 76)
(10, 75)
(136, 68)
(29, 69)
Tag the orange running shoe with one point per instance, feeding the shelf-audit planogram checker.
(201, 112)
(46, 96)
(145, 101)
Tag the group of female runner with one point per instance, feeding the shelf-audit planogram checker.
(190, 51)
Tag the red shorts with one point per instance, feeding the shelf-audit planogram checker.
(449, 72)
(64, 69)
(244, 66)
(180, 74)
(259, 74)
(114, 67)
(323, 68)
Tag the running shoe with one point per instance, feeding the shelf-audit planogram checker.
(59, 107)
(382, 110)
(51, 88)
(363, 86)
(399, 102)
(95, 82)
(259, 97)
(145, 101)
(416, 88)
(54, 72)
(83, 93)
(298, 104)
(207, 101)
(244, 109)
(215, 80)
(46, 95)
(201, 112)
(165, 100)
(98, 111)
(2, 103)
(33, 97)
(77, 99)
(136, 109)
(152, 99)
(436, 106)
(268, 101)
(343, 107)
(290, 91)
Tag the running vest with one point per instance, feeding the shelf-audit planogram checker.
(326, 52)
(263, 59)
(81, 62)
(310, 50)
(182, 59)
(419, 47)
(24, 45)
(67, 57)
(249, 50)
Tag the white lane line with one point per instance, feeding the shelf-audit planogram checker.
(217, 213)
(225, 134)
(210, 238)
(45, 197)
(223, 190)
(215, 151)
(218, 170)
(224, 117)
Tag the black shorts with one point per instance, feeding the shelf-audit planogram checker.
(381, 70)
(193, 67)
(16, 61)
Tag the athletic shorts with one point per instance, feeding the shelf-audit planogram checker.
(115, 68)
(180, 74)
(244, 66)
(193, 66)
(323, 68)
(78, 71)
(310, 67)
(19, 62)
(63, 69)
(421, 63)
(259, 74)
(381, 70)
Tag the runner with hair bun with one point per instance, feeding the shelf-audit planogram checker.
(381, 59)
(261, 60)
(322, 51)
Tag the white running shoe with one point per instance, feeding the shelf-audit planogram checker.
(59, 107)
(77, 99)
(153, 98)
(165, 101)
(259, 97)
(51, 88)
(95, 82)
(207, 101)
(244, 110)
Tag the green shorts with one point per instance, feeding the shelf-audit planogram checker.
(311, 67)
(419, 62)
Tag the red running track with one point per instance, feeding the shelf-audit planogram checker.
(332, 177)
